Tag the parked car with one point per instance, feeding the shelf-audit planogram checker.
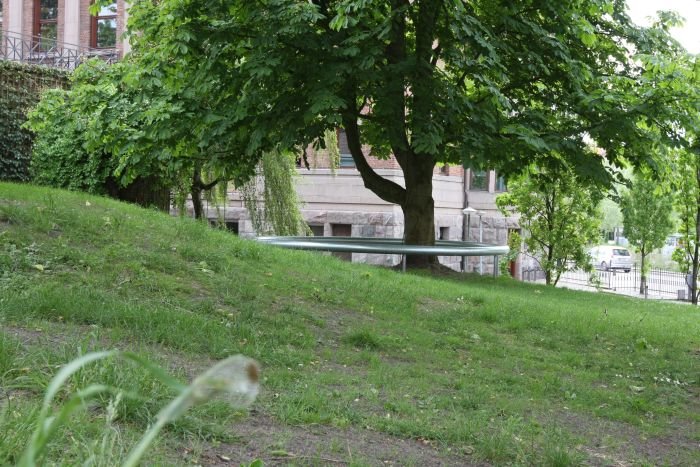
(611, 257)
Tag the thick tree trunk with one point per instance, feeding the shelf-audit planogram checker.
(419, 215)
(196, 189)
(197, 205)
(144, 191)
(416, 199)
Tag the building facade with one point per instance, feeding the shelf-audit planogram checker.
(61, 32)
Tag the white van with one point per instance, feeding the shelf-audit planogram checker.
(611, 257)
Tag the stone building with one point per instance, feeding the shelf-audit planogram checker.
(61, 33)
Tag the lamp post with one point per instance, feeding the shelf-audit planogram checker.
(481, 240)
(466, 235)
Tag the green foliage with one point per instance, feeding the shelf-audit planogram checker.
(646, 211)
(559, 213)
(490, 84)
(20, 88)
(60, 156)
(687, 205)
(363, 339)
(674, 83)
(611, 215)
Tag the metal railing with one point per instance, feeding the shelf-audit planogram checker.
(47, 52)
(375, 245)
(660, 283)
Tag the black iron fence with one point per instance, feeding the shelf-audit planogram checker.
(660, 283)
(47, 52)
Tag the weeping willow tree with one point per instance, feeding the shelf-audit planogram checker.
(331, 139)
(270, 197)
(329, 142)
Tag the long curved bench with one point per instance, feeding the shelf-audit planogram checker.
(388, 246)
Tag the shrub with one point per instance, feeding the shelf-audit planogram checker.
(20, 88)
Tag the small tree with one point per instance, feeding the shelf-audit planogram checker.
(560, 216)
(687, 203)
(647, 221)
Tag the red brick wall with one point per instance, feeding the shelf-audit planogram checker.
(321, 161)
(28, 18)
(121, 7)
(85, 23)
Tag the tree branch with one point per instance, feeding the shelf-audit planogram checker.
(385, 189)
(210, 185)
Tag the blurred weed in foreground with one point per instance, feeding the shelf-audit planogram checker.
(236, 378)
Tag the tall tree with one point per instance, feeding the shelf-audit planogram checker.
(646, 211)
(486, 83)
(559, 213)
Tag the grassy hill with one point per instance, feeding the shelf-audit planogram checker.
(361, 365)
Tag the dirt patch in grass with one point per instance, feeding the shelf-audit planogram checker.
(28, 337)
(54, 335)
(619, 444)
(264, 438)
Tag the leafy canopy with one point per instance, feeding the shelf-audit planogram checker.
(560, 215)
(487, 83)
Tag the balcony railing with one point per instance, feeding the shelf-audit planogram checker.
(40, 51)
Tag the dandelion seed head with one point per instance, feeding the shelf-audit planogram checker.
(235, 378)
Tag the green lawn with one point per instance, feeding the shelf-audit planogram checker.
(361, 365)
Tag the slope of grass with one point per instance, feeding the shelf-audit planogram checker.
(473, 369)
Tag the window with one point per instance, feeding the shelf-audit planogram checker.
(501, 183)
(346, 159)
(479, 180)
(232, 227)
(317, 230)
(444, 233)
(104, 27)
(46, 23)
(342, 230)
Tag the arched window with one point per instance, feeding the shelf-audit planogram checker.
(46, 23)
(104, 27)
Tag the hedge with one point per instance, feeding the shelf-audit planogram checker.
(21, 86)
